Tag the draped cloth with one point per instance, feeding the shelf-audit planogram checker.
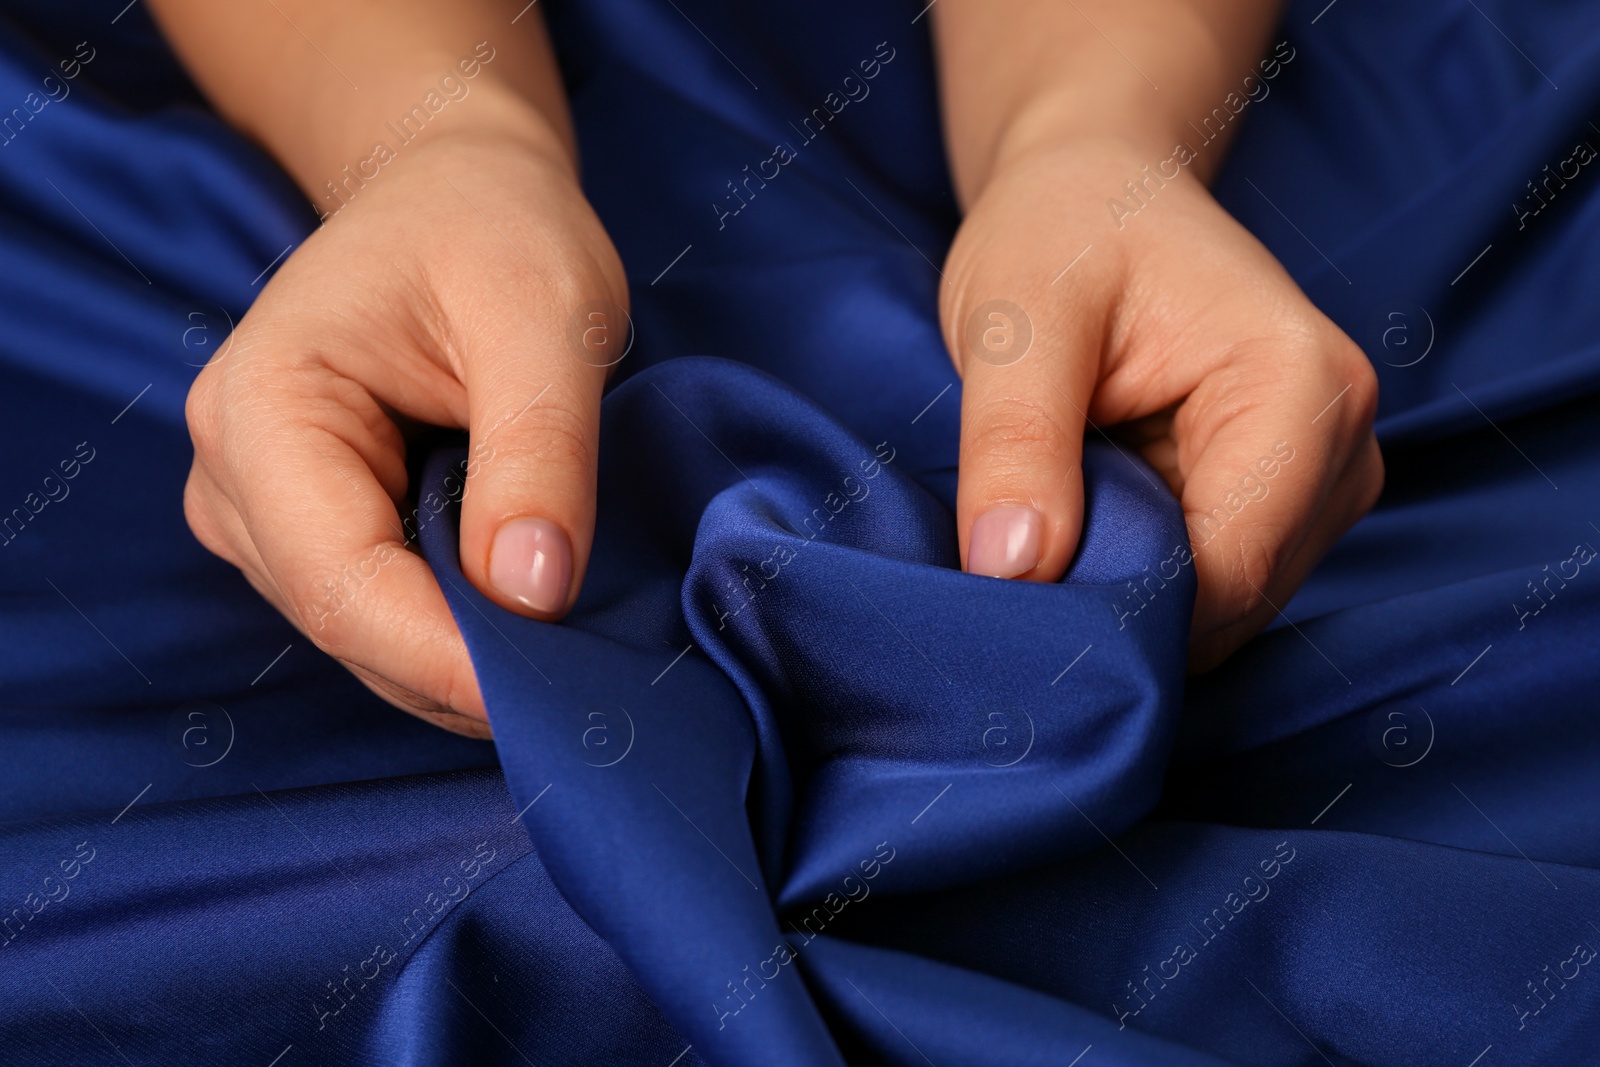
(787, 787)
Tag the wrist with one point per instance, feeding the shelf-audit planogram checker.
(414, 119)
(1081, 171)
(1067, 123)
(1091, 93)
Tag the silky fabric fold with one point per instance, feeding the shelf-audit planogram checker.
(787, 787)
(635, 748)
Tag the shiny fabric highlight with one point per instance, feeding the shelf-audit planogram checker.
(787, 787)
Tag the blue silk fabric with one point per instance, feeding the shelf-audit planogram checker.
(787, 787)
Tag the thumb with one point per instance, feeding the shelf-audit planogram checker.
(1027, 382)
(527, 519)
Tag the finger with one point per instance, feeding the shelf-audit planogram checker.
(527, 519)
(215, 522)
(1277, 459)
(1352, 496)
(216, 525)
(299, 466)
(1027, 383)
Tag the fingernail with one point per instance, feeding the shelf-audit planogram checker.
(1005, 542)
(531, 562)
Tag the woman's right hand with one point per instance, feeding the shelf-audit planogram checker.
(469, 285)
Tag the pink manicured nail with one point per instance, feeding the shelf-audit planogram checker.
(1005, 542)
(531, 562)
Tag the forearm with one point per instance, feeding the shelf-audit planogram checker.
(1022, 76)
(323, 85)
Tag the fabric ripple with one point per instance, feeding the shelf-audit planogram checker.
(787, 787)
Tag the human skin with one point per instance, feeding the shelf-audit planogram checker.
(443, 293)
(1177, 327)
(440, 294)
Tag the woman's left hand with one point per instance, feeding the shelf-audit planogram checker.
(1178, 328)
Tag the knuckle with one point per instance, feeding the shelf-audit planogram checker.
(1241, 569)
(561, 439)
(1227, 393)
(451, 710)
(460, 690)
(1253, 566)
(203, 414)
(318, 606)
(1258, 554)
(408, 699)
(199, 511)
(1017, 427)
(1363, 386)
